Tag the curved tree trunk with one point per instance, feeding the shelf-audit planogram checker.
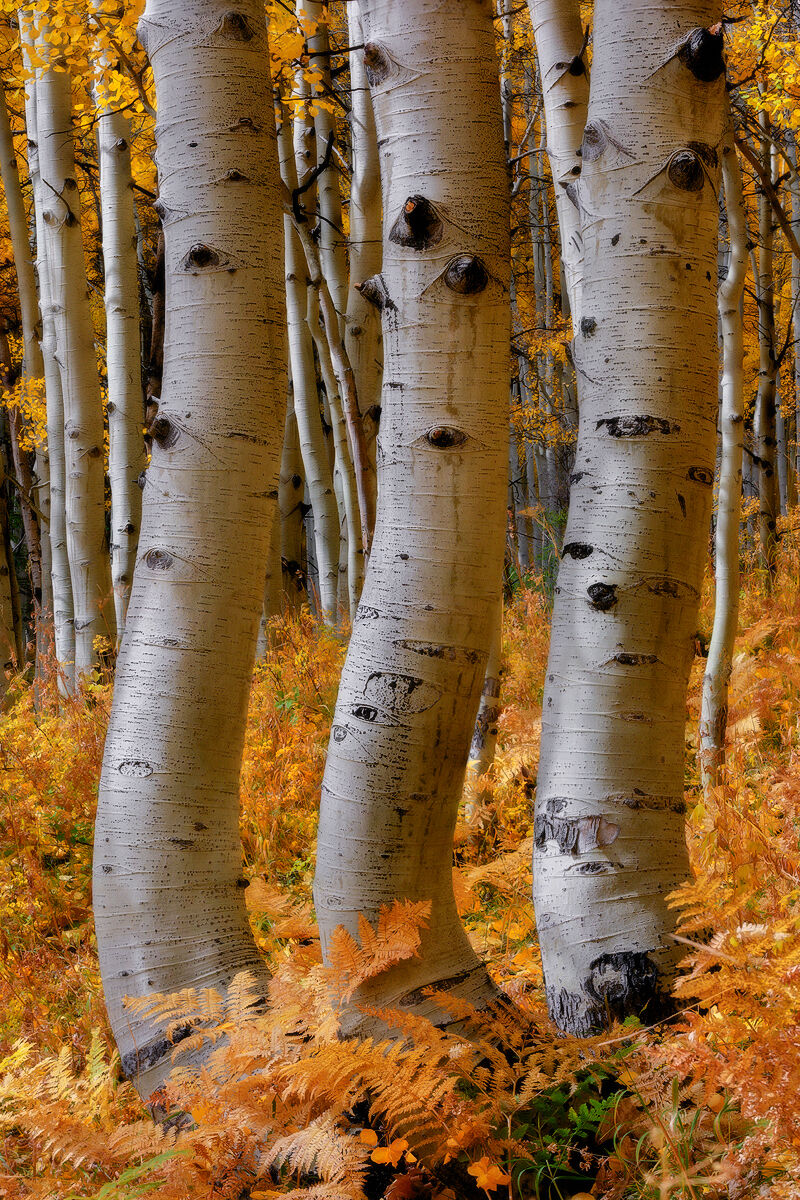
(417, 655)
(168, 907)
(714, 714)
(87, 546)
(126, 454)
(609, 833)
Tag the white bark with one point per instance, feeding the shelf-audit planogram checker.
(316, 466)
(363, 334)
(126, 456)
(168, 907)
(68, 302)
(609, 833)
(714, 714)
(484, 736)
(417, 656)
(558, 34)
(32, 365)
(61, 583)
(290, 504)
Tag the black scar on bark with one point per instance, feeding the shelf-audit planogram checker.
(374, 292)
(572, 193)
(682, 503)
(439, 650)
(706, 152)
(135, 769)
(702, 54)
(594, 142)
(364, 712)
(377, 63)
(442, 985)
(121, 144)
(234, 176)
(626, 984)
(619, 427)
(635, 660)
(685, 170)
(445, 437)
(577, 550)
(663, 587)
(466, 274)
(138, 1060)
(588, 326)
(339, 733)
(236, 26)
(572, 836)
(158, 560)
(163, 432)
(603, 595)
(365, 613)
(201, 258)
(419, 226)
(576, 476)
(701, 475)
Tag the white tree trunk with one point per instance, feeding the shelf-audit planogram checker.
(417, 656)
(68, 303)
(714, 714)
(558, 34)
(319, 478)
(609, 832)
(290, 503)
(168, 906)
(61, 582)
(363, 334)
(126, 456)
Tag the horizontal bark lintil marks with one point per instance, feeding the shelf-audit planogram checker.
(415, 666)
(166, 839)
(610, 842)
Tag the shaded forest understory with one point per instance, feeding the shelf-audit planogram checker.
(704, 1105)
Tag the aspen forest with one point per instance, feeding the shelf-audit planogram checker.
(400, 600)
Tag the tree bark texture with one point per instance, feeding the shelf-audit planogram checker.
(126, 456)
(714, 714)
(417, 657)
(609, 833)
(168, 905)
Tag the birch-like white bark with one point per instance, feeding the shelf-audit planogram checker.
(609, 833)
(169, 909)
(32, 365)
(714, 712)
(417, 656)
(363, 333)
(68, 303)
(60, 580)
(560, 46)
(316, 467)
(126, 453)
(290, 504)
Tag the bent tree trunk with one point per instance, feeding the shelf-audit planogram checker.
(609, 832)
(417, 656)
(168, 909)
(714, 714)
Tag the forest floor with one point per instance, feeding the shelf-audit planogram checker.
(703, 1106)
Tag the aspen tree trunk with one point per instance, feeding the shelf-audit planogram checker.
(417, 656)
(126, 456)
(714, 714)
(168, 907)
(33, 371)
(768, 505)
(290, 504)
(484, 737)
(363, 334)
(609, 832)
(87, 547)
(319, 479)
(794, 191)
(9, 650)
(558, 34)
(61, 582)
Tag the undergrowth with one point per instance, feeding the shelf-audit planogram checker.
(704, 1106)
